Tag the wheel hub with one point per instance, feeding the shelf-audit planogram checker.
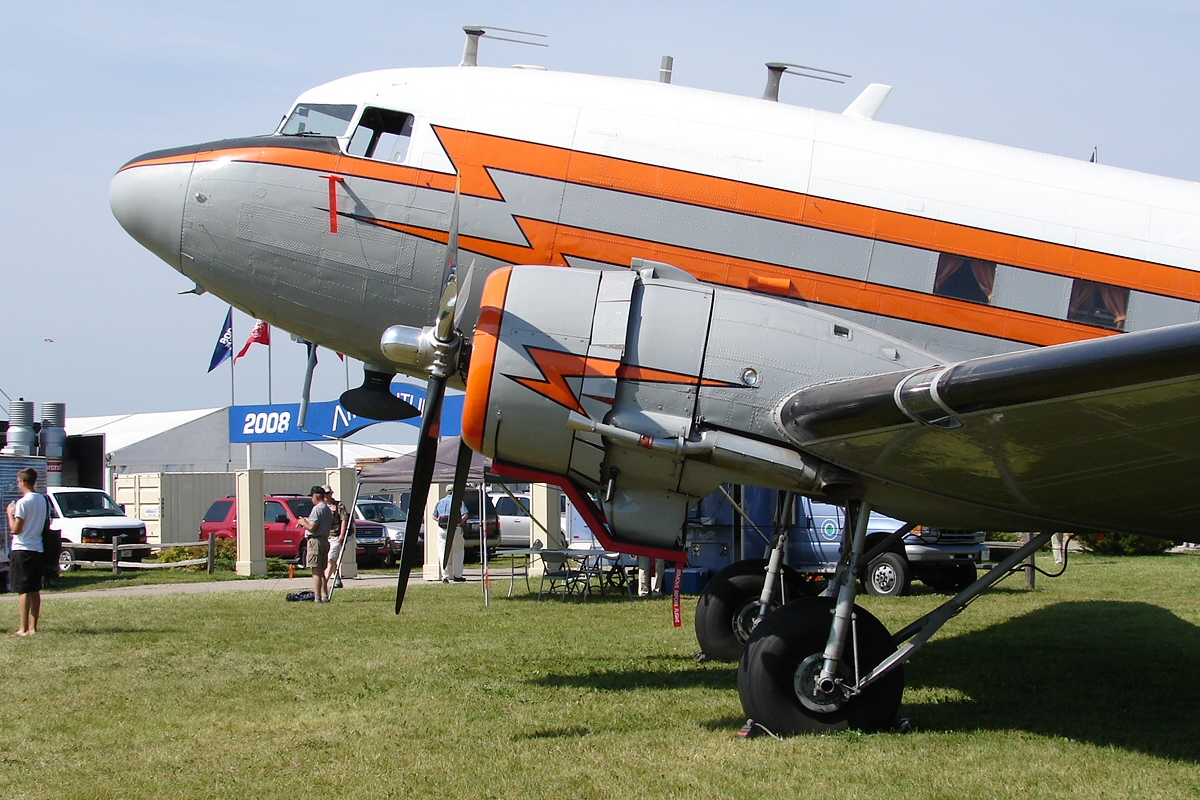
(745, 620)
(885, 578)
(806, 684)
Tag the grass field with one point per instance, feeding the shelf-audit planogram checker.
(1087, 687)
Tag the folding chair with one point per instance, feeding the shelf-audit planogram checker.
(557, 569)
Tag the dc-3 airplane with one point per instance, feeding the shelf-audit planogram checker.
(673, 288)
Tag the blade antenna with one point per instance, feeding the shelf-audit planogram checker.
(776, 70)
(470, 57)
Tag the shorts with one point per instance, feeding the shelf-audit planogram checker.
(318, 553)
(335, 549)
(25, 571)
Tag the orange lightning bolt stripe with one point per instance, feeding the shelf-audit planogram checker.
(557, 366)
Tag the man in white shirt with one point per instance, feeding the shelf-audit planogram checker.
(26, 518)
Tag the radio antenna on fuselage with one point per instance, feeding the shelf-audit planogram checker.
(474, 33)
(776, 69)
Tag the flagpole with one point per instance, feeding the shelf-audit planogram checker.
(269, 400)
(342, 440)
(232, 339)
(232, 382)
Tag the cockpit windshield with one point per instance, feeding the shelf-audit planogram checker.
(318, 119)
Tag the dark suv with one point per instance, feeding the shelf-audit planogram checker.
(284, 535)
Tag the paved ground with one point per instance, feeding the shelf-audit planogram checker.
(281, 585)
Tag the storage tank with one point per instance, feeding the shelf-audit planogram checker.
(53, 440)
(21, 438)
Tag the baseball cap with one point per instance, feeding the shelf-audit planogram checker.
(317, 490)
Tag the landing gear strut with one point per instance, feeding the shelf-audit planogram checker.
(824, 664)
(804, 665)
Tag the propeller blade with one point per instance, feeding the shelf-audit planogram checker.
(444, 327)
(445, 320)
(464, 294)
(451, 262)
(462, 468)
(426, 459)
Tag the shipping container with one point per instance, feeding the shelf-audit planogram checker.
(173, 503)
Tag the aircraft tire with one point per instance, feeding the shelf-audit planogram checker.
(888, 575)
(728, 607)
(774, 663)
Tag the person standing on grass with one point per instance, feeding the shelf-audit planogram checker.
(341, 528)
(454, 572)
(318, 526)
(26, 518)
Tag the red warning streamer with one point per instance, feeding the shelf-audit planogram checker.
(676, 591)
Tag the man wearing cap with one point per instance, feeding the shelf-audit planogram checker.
(318, 525)
(341, 529)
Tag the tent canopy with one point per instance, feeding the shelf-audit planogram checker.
(399, 471)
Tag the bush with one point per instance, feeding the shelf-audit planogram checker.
(1119, 544)
(226, 554)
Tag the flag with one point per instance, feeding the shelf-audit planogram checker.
(261, 334)
(312, 348)
(224, 348)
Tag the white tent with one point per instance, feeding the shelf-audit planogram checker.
(175, 441)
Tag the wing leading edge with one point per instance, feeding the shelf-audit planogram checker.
(1093, 436)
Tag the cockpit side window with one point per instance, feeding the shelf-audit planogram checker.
(382, 135)
(318, 119)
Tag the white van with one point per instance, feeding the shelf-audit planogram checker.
(516, 525)
(89, 516)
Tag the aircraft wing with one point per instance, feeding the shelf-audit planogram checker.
(1095, 436)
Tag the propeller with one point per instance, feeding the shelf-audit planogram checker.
(439, 350)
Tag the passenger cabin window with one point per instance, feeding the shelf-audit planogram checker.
(965, 278)
(318, 119)
(1098, 304)
(382, 135)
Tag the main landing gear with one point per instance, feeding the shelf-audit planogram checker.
(728, 610)
(822, 664)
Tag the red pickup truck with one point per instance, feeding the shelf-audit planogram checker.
(284, 536)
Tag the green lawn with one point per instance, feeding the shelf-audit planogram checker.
(1087, 687)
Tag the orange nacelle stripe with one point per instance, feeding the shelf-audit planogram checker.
(483, 357)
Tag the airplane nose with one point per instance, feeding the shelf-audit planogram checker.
(148, 200)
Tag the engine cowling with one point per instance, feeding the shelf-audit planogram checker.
(651, 391)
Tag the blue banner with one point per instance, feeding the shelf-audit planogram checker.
(328, 420)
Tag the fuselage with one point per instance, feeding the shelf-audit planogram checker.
(957, 246)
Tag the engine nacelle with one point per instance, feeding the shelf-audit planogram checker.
(652, 391)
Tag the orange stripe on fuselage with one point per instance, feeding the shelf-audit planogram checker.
(473, 154)
(483, 357)
(554, 244)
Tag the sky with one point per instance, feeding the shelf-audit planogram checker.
(90, 318)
